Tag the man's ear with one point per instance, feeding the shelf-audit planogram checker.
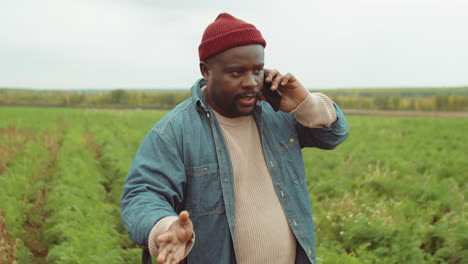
(205, 70)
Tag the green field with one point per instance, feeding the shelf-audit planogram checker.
(394, 192)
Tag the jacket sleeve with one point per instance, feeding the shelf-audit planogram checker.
(324, 138)
(154, 186)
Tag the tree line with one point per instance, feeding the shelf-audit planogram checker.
(407, 99)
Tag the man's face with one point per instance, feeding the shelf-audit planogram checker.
(234, 80)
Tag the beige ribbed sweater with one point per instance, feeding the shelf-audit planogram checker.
(262, 231)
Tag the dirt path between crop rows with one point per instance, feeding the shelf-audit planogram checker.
(108, 171)
(36, 197)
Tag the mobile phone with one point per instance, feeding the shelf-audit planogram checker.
(272, 97)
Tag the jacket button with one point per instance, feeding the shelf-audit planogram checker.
(291, 140)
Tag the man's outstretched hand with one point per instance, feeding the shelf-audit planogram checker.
(172, 243)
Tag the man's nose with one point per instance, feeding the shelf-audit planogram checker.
(250, 81)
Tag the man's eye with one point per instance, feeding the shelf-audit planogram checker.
(236, 73)
(258, 71)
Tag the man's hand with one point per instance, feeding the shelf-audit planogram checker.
(173, 242)
(292, 91)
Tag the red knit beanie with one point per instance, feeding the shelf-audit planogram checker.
(228, 32)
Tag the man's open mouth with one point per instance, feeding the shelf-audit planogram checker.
(248, 99)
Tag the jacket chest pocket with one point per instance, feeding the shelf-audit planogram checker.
(204, 195)
(291, 156)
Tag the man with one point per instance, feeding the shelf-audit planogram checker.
(225, 167)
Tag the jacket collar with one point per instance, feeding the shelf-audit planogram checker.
(198, 96)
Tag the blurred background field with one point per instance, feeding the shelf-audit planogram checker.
(393, 192)
(454, 99)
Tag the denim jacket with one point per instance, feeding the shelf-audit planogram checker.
(183, 163)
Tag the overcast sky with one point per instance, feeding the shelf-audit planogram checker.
(63, 44)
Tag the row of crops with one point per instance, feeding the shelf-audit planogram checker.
(394, 192)
(61, 178)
